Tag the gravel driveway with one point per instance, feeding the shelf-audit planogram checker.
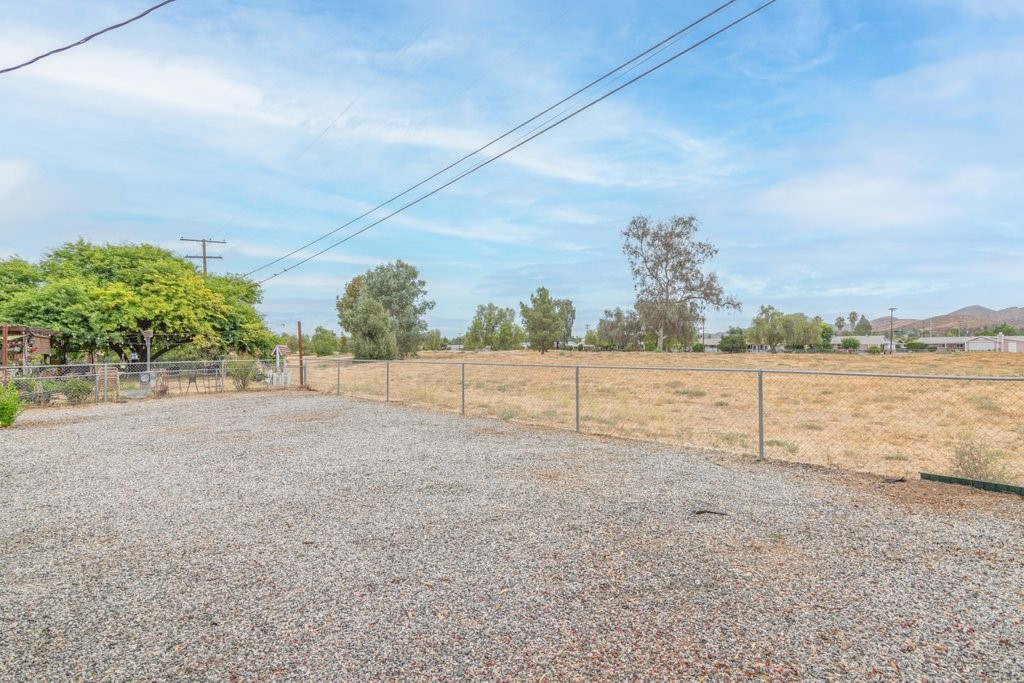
(299, 536)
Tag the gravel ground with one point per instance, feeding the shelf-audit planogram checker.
(300, 536)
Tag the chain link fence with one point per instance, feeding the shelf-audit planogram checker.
(54, 385)
(893, 425)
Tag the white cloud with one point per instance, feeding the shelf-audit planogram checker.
(196, 86)
(14, 175)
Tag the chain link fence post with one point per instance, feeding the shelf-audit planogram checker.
(760, 414)
(577, 398)
(462, 402)
(223, 374)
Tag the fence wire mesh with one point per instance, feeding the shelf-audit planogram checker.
(55, 385)
(886, 424)
(894, 425)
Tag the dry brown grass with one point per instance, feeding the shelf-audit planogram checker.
(888, 426)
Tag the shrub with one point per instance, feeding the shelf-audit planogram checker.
(31, 391)
(697, 348)
(76, 390)
(10, 404)
(916, 346)
(242, 373)
(973, 459)
(875, 350)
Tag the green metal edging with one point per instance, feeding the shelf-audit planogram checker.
(976, 483)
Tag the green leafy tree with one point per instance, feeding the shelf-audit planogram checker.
(567, 312)
(398, 287)
(495, 328)
(544, 324)
(432, 341)
(863, 327)
(667, 263)
(372, 335)
(799, 331)
(851, 344)
(103, 297)
(324, 342)
(768, 327)
(18, 275)
(733, 341)
(400, 291)
(995, 330)
(618, 329)
(826, 334)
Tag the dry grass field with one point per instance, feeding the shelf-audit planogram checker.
(892, 426)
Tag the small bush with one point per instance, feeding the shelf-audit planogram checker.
(875, 350)
(242, 374)
(10, 405)
(973, 459)
(787, 446)
(985, 403)
(916, 346)
(697, 348)
(693, 393)
(76, 390)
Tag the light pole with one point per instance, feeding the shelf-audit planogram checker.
(892, 342)
(148, 336)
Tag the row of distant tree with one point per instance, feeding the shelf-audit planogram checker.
(101, 298)
(382, 310)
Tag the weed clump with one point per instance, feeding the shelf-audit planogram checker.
(973, 459)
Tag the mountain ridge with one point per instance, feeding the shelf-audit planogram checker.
(966, 318)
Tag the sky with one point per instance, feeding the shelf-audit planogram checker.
(841, 155)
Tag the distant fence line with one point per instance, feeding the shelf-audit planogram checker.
(884, 423)
(880, 422)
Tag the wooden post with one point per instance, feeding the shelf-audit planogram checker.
(3, 353)
(302, 367)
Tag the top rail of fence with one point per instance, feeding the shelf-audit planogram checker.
(670, 368)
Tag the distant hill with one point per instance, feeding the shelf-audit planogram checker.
(969, 318)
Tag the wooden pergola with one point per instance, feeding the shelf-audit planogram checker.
(32, 340)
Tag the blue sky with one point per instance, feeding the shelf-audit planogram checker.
(842, 155)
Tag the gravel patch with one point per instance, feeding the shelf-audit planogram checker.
(299, 536)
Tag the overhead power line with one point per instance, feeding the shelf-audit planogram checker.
(637, 59)
(367, 88)
(524, 141)
(85, 40)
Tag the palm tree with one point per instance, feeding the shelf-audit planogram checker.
(840, 323)
(853, 318)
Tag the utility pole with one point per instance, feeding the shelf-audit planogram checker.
(204, 242)
(892, 342)
(302, 366)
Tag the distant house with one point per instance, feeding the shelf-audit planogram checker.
(944, 343)
(711, 346)
(1001, 343)
(866, 342)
